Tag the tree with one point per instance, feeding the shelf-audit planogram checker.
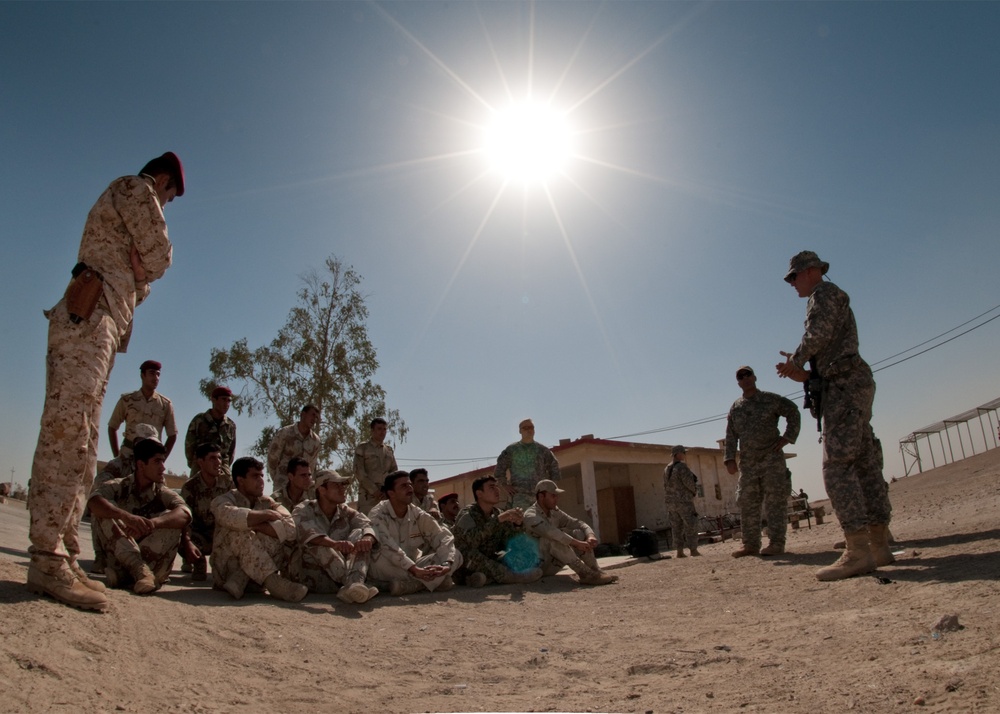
(321, 356)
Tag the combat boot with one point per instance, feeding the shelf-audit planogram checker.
(745, 551)
(477, 580)
(595, 576)
(680, 553)
(199, 570)
(879, 544)
(773, 548)
(63, 586)
(145, 581)
(285, 589)
(511, 577)
(694, 552)
(94, 585)
(856, 560)
(447, 584)
(236, 584)
(398, 588)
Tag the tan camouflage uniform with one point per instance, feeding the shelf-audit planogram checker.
(372, 463)
(199, 497)
(554, 533)
(133, 408)
(79, 361)
(204, 429)
(286, 444)
(159, 548)
(320, 568)
(237, 547)
(121, 466)
(680, 486)
(415, 539)
(852, 472)
(753, 424)
(482, 539)
(528, 464)
(282, 497)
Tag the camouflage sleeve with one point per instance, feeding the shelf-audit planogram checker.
(732, 438)
(229, 515)
(392, 461)
(359, 521)
(551, 465)
(503, 465)
(441, 541)
(140, 211)
(307, 526)
(567, 521)
(538, 526)
(191, 441)
(171, 500)
(169, 423)
(825, 312)
(118, 415)
(274, 450)
(389, 547)
(793, 419)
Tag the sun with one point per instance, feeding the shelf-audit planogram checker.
(528, 142)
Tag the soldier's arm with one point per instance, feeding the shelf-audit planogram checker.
(551, 465)
(274, 450)
(190, 441)
(732, 440)
(793, 419)
(117, 417)
(142, 215)
(177, 517)
(824, 314)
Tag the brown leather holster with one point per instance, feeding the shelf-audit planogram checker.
(83, 292)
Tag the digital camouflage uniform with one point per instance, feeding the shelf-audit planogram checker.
(528, 464)
(852, 472)
(427, 503)
(204, 429)
(753, 424)
(237, 547)
(119, 467)
(79, 361)
(290, 504)
(482, 540)
(133, 409)
(680, 486)
(159, 548)
(286, 444)
(199, 497)
(554, 533)
(321, 568)
(415, 539)
(372, 463)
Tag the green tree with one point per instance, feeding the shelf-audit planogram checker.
(322, 356)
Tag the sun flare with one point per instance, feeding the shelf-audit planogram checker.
(528, 142)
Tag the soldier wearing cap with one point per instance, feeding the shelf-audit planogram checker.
(123, 249)
(213, 427)
(295, 440)
(139, 522)
(198, 493)
(144, 406)
(852, 472)
(523, 464)
(251, 534)
(753, 426)
(373, 461)
(415, 552)
(449, 507)
(334, 542)
(563, 539)
(680, 486)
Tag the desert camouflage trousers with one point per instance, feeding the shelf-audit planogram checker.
(683, 526)
(325, 570)
(555, 555)
(77, 367)
(256, 554)
(852, 471)
(763, 482)
(157, 550)
(384, 571)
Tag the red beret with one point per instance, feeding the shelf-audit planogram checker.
(221, 392)
(167, 163)
(150, 364)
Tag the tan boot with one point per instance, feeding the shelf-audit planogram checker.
(398, 588)
(236, 584)
(145, 581)
(94, 585)
(597, 577)
(745, 551)
(773, 548)
(856, 560)
(680, 553)
(477, 580)
(879, 544)
(63, 586)
(285, 589)
(512, 578)
(446, 585)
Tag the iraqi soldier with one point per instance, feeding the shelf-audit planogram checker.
(198, 493)
(124, 248)
(295, 440)
(373, 461)
(753, 427)
(144, 406)
(680, 486)
(852, 473)
(298, 484)
(422, 496)
(449, 507)
(213, 427)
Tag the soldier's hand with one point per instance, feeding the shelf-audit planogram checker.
(731, 467)
(191, 551)
(581, 545)
(364, 544)
(343, 546)
(791, 370)
(137, 526)
(513, 515)
(781, 443)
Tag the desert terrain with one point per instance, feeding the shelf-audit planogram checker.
(692, 635)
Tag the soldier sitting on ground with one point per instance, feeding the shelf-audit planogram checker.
(140, 522)
(298, 484)
(422, 497)
(449, 507)
(562, 539)
(198, 493)
(334, 542)
(415, 551)
(484, 536)
(250, 535)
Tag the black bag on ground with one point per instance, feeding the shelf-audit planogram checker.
(642, 543)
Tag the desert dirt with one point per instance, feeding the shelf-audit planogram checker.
(692, 635)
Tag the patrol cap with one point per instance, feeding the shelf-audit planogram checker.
(678, 450)
(329, 476)
(221, 392)
(744, 368)
(150, 364)
(547, 486)
(803, 261)
(167, 163)
(145, 431)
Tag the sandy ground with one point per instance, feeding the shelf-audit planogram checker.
(693, 635)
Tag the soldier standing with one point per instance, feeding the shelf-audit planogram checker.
(680, 486)
(753, 425)
(213, 427)
(523, 464)
(373, 461)
(123, 249)
(291, 441)
(144, 406)
(851, 470)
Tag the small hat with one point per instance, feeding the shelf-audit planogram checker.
(447, 497)
(150, 364)
(221, 392)
(678, 450)
(145, 431)
(547, 486)
(803, 261)
(744, 368)
(329, 476)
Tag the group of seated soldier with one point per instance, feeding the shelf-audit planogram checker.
(305, 538)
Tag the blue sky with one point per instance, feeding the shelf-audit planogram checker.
(713, 141)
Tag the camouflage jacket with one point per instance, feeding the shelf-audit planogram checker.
(557, 525)
(155, 500)
(403, 541)
(680, 485)
(753, 422)
(372, 462)
(133, 408)
(198, 496)
(311, 523)
(204, 429)
(478, 532)
(528, 464)
(831, 333)
(286, 444)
